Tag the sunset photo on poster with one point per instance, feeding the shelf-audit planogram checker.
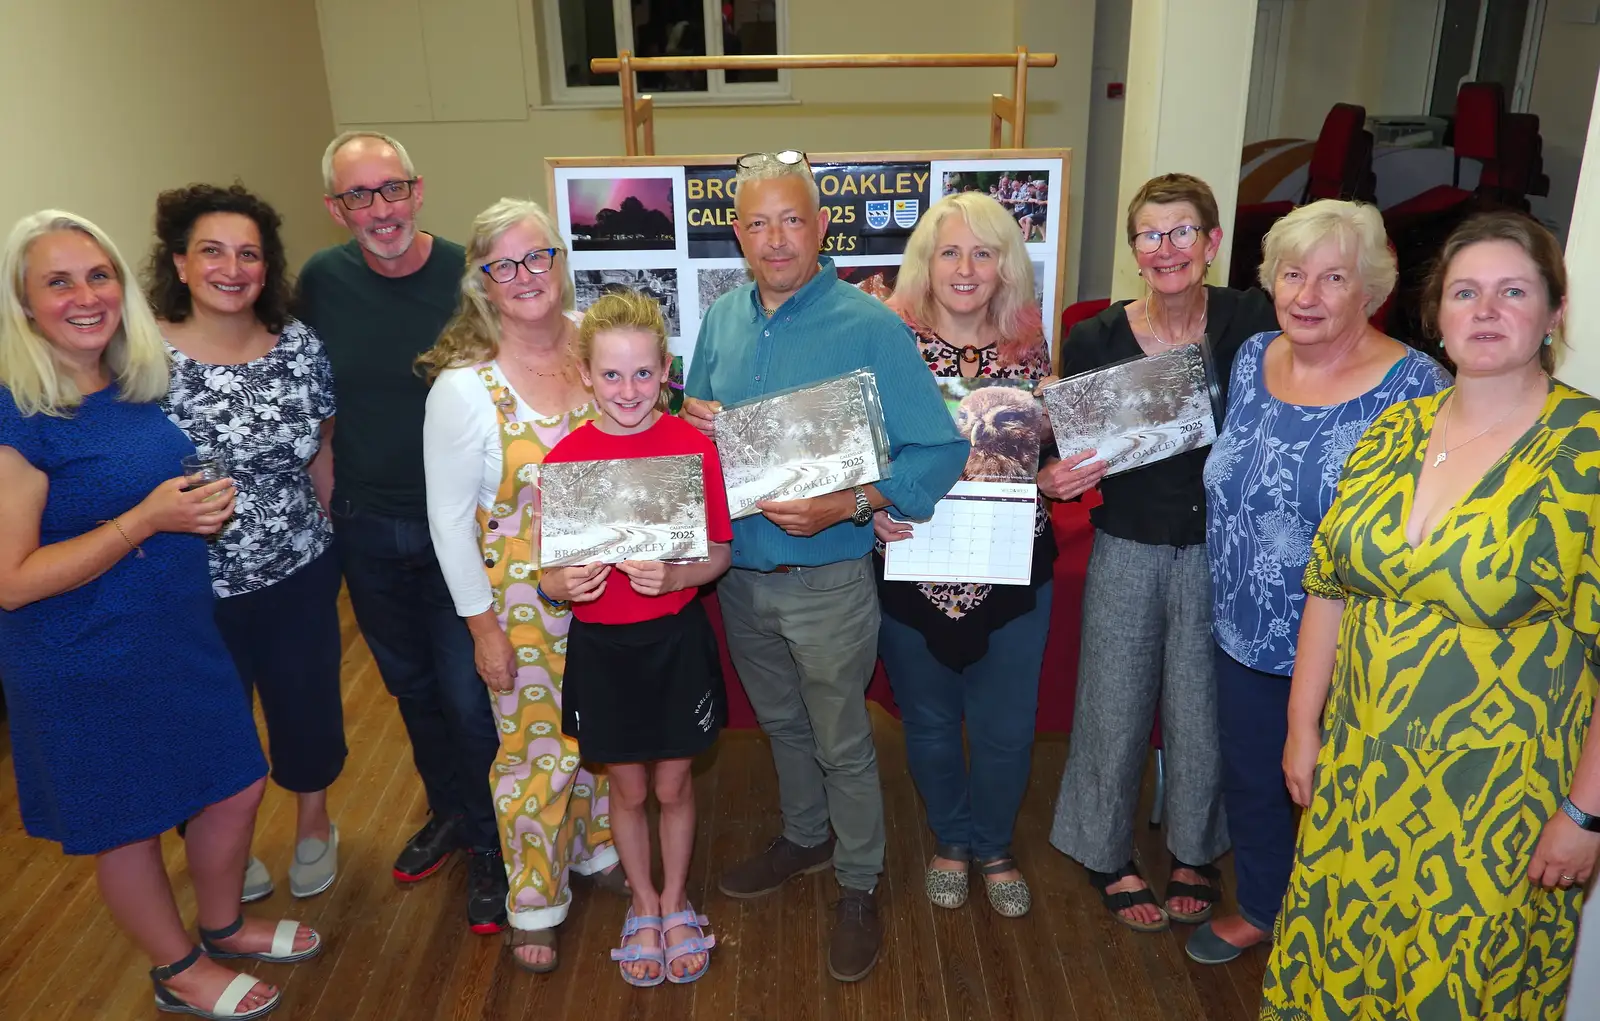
(619, 214)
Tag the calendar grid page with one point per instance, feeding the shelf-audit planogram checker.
(981, 532)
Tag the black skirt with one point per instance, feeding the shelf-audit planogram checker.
(646, 691)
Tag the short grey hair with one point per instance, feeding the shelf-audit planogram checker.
(771, 170)
(345, 138)
(1356, 227)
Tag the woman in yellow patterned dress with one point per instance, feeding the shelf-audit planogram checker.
(507, 353)
(1452, 627)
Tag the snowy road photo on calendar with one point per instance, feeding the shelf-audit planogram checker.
(640, 508)
(805, 442)
(1136, 412)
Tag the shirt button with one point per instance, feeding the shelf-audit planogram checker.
(758, 379)
(493, 525)
(1195, 509)
(766, 333)
(488, 561)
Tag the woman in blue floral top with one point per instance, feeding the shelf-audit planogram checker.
(253, 386)
(1298, 401)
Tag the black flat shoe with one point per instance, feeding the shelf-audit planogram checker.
(487, 887)
(427, 850)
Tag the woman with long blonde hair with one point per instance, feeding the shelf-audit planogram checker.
(505, 390)
(959, 653)
(128, 713)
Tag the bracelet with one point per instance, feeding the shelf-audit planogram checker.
(554, 604)
(114, 523)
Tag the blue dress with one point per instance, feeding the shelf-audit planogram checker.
(127, 715)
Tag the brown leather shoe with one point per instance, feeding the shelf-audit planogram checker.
(857, 935)
(779, 863)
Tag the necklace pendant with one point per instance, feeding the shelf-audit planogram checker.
(1439, 459)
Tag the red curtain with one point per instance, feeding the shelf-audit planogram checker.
(1058, 679)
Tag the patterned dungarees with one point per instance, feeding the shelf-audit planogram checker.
(553, 814)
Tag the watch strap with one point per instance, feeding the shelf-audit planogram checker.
(863, 512)
(1579, 816)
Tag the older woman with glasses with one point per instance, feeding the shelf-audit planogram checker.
(1147, 597)
(505, 390)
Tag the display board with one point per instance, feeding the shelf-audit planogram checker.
(664, 224)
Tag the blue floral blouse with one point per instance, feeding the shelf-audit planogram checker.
(1269, 479)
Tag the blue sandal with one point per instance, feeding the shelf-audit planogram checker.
(699, 943)
(628, 953)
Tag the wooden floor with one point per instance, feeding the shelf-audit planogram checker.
(406, 953)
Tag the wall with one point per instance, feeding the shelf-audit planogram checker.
(1563, 91)
(1102, 218)
(105, 103)
(470, 163)
(1336, 54)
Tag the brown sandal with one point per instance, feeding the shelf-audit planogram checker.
(533, 938)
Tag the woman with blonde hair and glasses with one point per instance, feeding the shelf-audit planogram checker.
(505, 390)
(960, 654)
(1147, 595)
(127, 713)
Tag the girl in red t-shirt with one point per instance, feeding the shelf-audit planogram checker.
(643, 684)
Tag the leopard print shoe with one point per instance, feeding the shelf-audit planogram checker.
(1010, 898)
(948, 888)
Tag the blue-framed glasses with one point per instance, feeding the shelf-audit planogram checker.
(538, 261)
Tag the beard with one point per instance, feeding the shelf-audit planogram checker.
(392, 247)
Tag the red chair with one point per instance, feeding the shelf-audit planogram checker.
(1480, 111)
(1340, 168)
(1519, 172)
(1077, 312)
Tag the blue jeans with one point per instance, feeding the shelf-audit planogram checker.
(424, 653)
(1253, 723)
(972, 805)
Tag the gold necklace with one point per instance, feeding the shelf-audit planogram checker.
(1151, 326)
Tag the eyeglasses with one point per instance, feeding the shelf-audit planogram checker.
(1183, 236)
(361, 198)
(788, 157)
(538, 261)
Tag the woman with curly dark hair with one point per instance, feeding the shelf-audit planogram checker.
(252, 388)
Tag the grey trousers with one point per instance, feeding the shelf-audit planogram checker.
(804, 644)
(1146, 638)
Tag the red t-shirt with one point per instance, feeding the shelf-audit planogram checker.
(620, 604)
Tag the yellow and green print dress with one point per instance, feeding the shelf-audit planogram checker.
(1462, 694)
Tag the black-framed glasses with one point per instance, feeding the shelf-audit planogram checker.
(787, 157)
(1183, 236)
(538, 261)
(361, 198)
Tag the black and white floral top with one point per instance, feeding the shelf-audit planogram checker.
(265, 419)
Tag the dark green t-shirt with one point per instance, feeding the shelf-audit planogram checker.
(374, 327)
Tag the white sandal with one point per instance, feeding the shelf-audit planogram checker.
(282, 952)
(227, 1006)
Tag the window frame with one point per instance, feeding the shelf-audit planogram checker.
(1521, 94)
(719, 92)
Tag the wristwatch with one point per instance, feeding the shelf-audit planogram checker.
(863, 512)
(1579, 816)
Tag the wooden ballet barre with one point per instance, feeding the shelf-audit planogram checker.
(639, 111)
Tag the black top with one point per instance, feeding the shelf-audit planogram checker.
(1164, 504)
(373, 328)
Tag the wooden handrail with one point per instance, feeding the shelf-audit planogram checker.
(639, 111)
(792, 61)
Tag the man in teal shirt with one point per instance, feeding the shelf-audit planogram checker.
(801, 603)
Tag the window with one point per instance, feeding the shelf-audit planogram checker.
(577, 31)
(1485, 41)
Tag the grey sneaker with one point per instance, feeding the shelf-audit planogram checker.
(257, 882)
(316, 862)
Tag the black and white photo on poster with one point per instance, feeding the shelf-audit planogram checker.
(1002, 420)
(621, 214)
(1136, 412)
(714, 283)
(803, 442)
(1039, 286)
(1024, 192)
(640, 508)
(660, 284)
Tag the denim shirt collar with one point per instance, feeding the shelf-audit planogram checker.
(827, 276)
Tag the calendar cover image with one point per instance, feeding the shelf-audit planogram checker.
(1139, 411)
(638, 508)
(802, 442)
(1002, 420)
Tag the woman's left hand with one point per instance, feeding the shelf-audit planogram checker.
(651, 577)
(1565, 855)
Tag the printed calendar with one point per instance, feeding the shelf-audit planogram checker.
(981, 532)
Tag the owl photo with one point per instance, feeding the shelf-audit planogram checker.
(1005, 426)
